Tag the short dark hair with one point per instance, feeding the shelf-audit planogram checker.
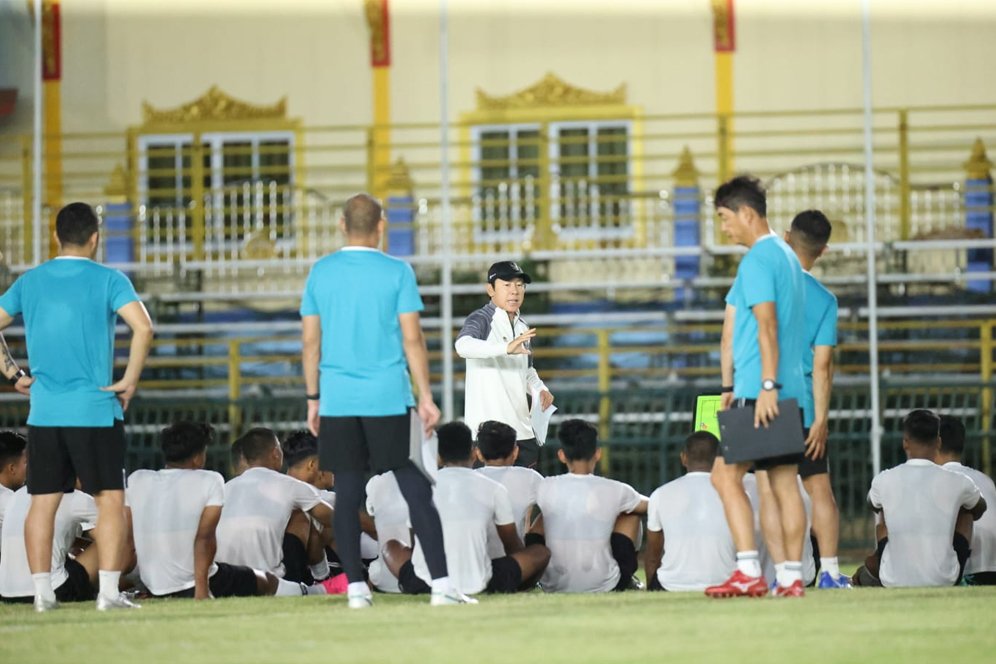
(12, 446)
(361, 213)
(922, 426)
(299, 446)
(812, 229)
(952, 432)
(75, 224)
(456, 442)
(578, 439)
(742, 190)
(495, 440)
(184, 440)
(701, 448)
(256, 443)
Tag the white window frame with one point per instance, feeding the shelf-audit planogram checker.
(510, 235)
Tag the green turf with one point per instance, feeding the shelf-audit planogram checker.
(928, 625)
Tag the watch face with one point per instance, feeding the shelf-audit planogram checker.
(768, 385)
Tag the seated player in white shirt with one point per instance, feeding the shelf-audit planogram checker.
(13, 462)
(926, 515)
(980, 570)
(470, 506)
(259, 505)
(498, 450)
(389, 511)
(689, 545)
(74, 578)
(591, 524)
(174, 514)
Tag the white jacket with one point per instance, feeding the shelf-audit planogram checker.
(496, 382)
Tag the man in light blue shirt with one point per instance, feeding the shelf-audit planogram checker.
(75, 425)
(761, 360)
(361, 336)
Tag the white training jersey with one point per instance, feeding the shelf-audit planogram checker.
(470, 506)
(698, 546)
(5, 496)
(767, 564)
(920, 503)
(390, 514)
(522, 484)
(166, 508)
(496, 383)
(76, 511)
(983, 558)
(579, 513)
(258, 505)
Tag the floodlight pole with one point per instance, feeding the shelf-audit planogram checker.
(876, 420)
(447, 221)
(37, 143)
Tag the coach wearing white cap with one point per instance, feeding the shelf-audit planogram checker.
(495, 342)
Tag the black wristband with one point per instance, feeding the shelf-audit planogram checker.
(21, 373)
(313, 397)
(726, 388)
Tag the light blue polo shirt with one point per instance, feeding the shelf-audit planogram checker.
(769, 272)
(821, 330)
(69, 307)
(358, 293)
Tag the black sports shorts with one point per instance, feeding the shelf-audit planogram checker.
(506, 575)
(60, 455)
(379, 444)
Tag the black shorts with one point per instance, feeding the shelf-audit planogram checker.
(379, 444)
(809, 467)
(528, 453)
(227, 581)
(624, 552)
(60, 455)
(654, 585)
(506, 575)
(410, 583)
(76, 588)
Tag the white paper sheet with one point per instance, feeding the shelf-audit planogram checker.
(422, 450)
(541, 418)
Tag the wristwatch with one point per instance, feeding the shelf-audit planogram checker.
(768, 385)
(21, 373)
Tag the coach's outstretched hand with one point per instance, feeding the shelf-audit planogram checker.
(124, 390)
(520, 344)
(23, 385)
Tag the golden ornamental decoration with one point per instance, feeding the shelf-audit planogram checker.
(978, 166)
(551, 91)
(214, 105)
(686, 175)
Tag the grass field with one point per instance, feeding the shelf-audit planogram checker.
(862, 625)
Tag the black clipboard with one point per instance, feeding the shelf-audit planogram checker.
(742, 443)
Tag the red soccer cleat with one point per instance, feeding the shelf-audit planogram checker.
(795, 590)
(739, 585)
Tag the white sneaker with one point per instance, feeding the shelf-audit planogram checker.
(360, 601)
(440, 598)
(42, 605)
(119, 602)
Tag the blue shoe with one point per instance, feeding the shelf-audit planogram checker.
(827, 582)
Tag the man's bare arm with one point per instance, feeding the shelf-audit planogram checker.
(418, 365)
(137, 318)
(766, 408)
(311, 355)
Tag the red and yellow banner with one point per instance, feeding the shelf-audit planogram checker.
(51, 42)
(379, 21)
(723, 26)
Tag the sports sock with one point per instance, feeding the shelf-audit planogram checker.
(793, 573)
(43, 586)
(748, 563)
(109, 582)
(287, 588)
(315, 589)
(358, 588)
(830, 565)
(320, 570)
(781, 576)
(442, 585)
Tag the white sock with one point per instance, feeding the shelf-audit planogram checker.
(781, 575)
(442, 585)
(289, 589)
(320, 570)
(830, 565)
(109, 583)
(793, 573)
(43, 586)
(358, 589)
(748, 563)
